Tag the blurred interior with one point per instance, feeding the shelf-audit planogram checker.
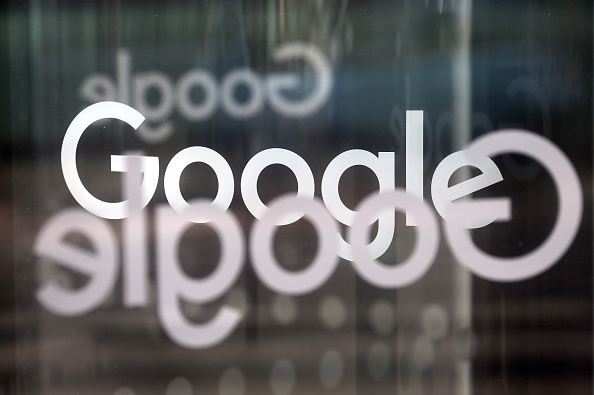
(473, 67)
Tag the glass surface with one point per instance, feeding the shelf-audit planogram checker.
(244, 102)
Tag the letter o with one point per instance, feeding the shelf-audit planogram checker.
(204, 80)
(172, 177)
(275, 156)
(254, 103)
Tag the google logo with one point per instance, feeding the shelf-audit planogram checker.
(140, 180)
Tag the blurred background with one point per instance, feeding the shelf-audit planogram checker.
(473, 67)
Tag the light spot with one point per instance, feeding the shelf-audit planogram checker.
(333, 312)
(331, 369)
(378, 360)
(179, 386)
(434, 321)
(282, 377)
(124, 391)
(381, 316)
(232, 382)
(284, 309)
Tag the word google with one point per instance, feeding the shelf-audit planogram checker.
(140, 179)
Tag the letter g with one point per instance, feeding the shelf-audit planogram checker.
(148, 165)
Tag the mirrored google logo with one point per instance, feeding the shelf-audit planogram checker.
(133, 88)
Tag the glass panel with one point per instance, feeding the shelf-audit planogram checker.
(193, 185)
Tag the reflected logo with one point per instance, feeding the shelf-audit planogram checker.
(134, 89)
(172, 220)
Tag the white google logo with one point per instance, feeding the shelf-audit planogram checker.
(140, 179)
(133, 88)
